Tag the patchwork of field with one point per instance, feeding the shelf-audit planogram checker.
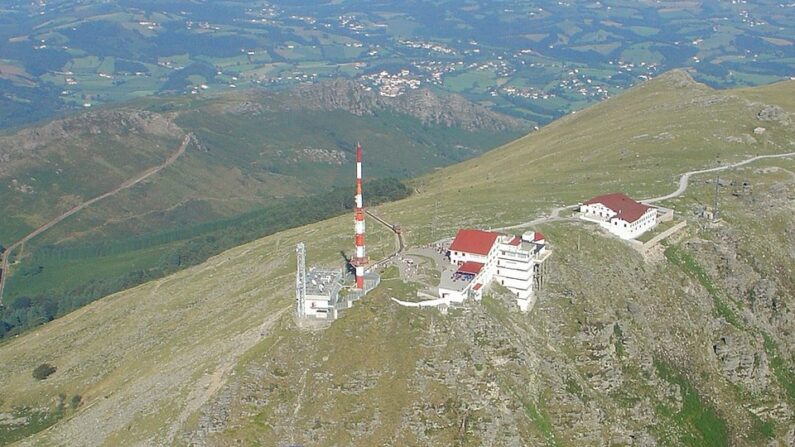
(538, 60)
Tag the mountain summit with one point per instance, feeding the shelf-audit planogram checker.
(683, 342)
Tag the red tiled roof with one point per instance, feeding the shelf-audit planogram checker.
(538, 237)
(624, 207)
(474, 241)
(515, 241)
(470, 267)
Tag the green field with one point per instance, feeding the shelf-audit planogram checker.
(62, 56)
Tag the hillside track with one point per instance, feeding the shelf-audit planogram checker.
(55, 221)
(684, 181)
(399, 243)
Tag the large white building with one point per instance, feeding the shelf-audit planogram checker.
(483, 256)
(620, 215)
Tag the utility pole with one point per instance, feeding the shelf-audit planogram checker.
(716, 209)
(434, 222)
(300, 279)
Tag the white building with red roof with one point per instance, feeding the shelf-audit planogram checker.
(484, 256)
(620, 215)
(473, 245)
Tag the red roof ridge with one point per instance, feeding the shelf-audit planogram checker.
(474, 241)
(624, 206)
(471, 267)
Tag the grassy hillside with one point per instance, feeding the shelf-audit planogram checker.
(692, 347)
(638, 143)
(250, 149)
(251, 155)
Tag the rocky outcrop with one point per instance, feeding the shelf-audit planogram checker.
(774, 113)
(742, 363)
(432, 109)
(112, 122)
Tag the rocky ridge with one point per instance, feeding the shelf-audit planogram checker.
(449, 110)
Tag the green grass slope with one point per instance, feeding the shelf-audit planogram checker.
(638, 143)
(617, 350)
(251, 152)
(251, 149)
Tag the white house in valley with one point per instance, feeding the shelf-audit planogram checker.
(515, 262)
(620, 215)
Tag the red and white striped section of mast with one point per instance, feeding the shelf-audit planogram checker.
(360, 258)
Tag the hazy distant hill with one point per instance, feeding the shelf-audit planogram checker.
(539, 60)
(692, 346)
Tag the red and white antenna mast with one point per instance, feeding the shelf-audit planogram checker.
(360, 258)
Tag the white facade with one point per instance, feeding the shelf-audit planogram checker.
(610, 220)
(321, 294)
(473, 289)
(511, 261)
(460, 257)
(458, 290)
(517, 265)
(514, 269)
(453, 295)
(318, 306)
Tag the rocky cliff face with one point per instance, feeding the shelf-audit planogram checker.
(113, 122)
(431, 108)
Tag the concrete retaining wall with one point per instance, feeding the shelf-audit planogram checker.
(665, 214)
(421, 304)
(656, 239)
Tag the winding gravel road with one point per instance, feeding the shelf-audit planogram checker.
(684, 181)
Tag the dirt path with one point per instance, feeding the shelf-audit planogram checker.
(127, 184)
(299, 401)
(553, 216)
(399, 244)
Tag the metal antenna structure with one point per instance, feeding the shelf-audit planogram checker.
(300, 279)
(716, 210)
